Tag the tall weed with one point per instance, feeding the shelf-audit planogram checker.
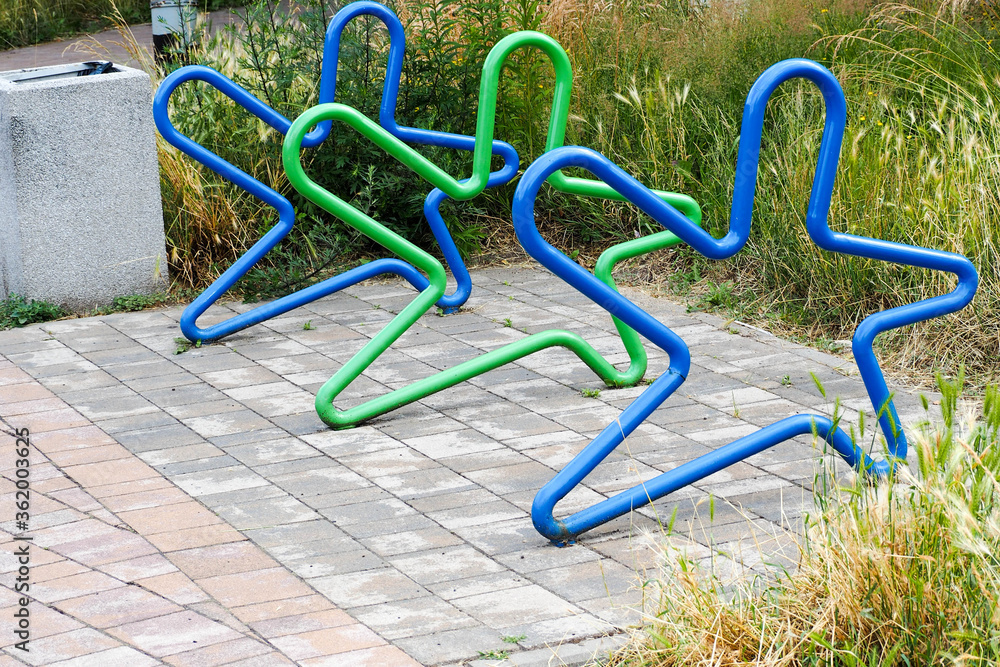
(664, 95)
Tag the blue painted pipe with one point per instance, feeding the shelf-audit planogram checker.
(617, 305)
(286, 213)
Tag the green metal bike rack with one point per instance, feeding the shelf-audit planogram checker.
(459, 190)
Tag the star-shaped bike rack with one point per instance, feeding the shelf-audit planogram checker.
(626, 314)
(563, 530)
(485, 124)
(284, 208)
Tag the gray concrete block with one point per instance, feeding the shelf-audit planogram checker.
(80, 210)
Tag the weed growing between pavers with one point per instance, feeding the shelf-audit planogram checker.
(899, 574)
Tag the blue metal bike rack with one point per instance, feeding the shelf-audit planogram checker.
(563, 530)
(284, 208)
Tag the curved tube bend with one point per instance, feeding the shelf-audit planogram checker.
(286, 213)
(543, 507)
(746, 175)
(818, 228)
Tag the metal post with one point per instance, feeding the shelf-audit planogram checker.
(173, 26)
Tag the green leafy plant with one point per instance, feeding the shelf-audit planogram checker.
(513, 639)
(133, 303)
(183, 345)
(495, 654)
(17, 311)
(591, 393)
(308, 326)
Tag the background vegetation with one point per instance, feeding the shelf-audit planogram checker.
(26, 22)
(659, 88)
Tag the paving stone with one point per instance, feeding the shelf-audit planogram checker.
(252, 587)
(64, 385)
(584, 581)
(377, 511)
(63, 646)
(509, 608)
(300, 552)
(322, 477)
(247, 437)
(189, 453)
(158, 438)
(186, 394)
(411, 541)
(443, 564)
(559, 631)
(494, 458)
(296, 534)
(300, 424)
(478, 585)
(538, 556)
(420, 483)
(518, 477)
(271, 451)
(408, 522)
(239, 377)
(368, 587)
(361, 440)
(167, 635)
(422, 426)
(142, 370)
(113, 607)
(218, 654)
(501, 536)
(416, 617)
(120, 425)
(349, 497)
(450, 645)
(308, 622)
(120, 656)
(452, 443)
(384, 462)
(173, 380)
(342, 562)
(218, 480)
(266, 512)
(227, 423)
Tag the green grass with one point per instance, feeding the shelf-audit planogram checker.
(663, 98)
(899, 574)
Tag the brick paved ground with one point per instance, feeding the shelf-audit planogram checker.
(193, 510)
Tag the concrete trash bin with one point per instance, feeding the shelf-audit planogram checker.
(81, 220)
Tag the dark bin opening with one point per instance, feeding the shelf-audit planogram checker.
(62, 72)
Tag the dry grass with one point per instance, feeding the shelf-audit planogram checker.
(905, 573)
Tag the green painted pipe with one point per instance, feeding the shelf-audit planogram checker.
(459, 190)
